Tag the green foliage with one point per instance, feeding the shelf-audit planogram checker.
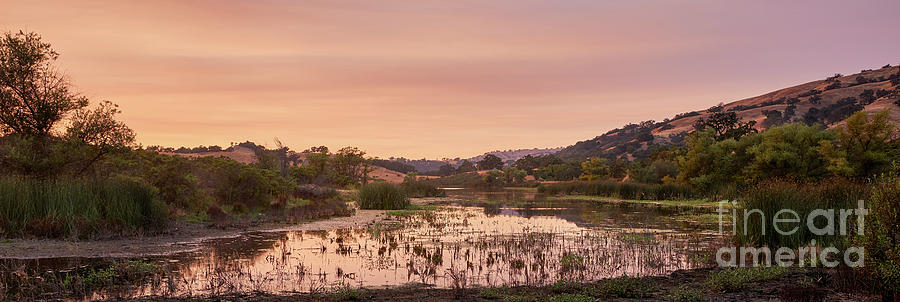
(725, 125)
(494, 179)
(687, 294)
(382, 196)
(489, 162)
(773, 196)
(394, 165)
(731, 280)
(595, 168)
(66, 207)
(624, 190)
(513, 175)
(863, 147)
(559, 172)
(413, 187)
(882, 237)
(625, 287)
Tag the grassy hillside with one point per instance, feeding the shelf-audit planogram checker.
(828, 101)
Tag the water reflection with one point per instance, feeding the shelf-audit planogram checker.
(511, 237)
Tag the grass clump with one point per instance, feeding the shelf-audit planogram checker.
(571, 298)
(736, 279)
(382, 196)
(774, 196)
(687, 294)
(77, 208)
(625, 287)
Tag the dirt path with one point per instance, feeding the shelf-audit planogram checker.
(181, 238)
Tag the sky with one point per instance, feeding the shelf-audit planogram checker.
(441, 79)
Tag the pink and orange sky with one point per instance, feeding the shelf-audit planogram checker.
(434, 79)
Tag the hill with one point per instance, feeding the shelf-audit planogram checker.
(828, 102)
(429, 165)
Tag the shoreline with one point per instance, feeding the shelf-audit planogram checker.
(182, 237)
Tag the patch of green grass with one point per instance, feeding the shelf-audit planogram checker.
(572, 298)
(625, 287)
(736, 279)
(490, 294)
(687, 294)
(518, 298)
(344, 292)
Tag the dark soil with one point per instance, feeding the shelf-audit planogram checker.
(688, 285)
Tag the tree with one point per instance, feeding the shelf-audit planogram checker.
(789, 151)
(514, 175)
(34, 99)
(594, 168)
(490, 162)
(351, 166)
(446, 170)
(465, 166)
(725, 125)
(99, 129)
(863, 147)
(33, 96)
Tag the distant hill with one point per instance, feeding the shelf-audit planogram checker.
(429, 165)
(828, 102)
(513, 155)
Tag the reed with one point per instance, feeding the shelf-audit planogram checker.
(69, 207)
(382, 196)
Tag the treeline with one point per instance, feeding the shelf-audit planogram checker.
(69, 168)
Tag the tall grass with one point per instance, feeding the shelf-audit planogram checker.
(420, 188)
(67, 207)
(624, 190)
(773, 196)
(382, 196)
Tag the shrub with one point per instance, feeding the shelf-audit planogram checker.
(382, 196)
(69, 207)
(883, 235)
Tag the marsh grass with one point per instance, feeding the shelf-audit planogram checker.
(624, 190)
(66, 207)
(774, 196)
(382, 196)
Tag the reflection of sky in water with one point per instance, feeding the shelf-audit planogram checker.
(514, 238)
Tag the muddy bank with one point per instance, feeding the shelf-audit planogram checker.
(182, 237)
(684, 285)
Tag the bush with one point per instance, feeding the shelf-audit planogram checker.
(382, 196)
(68, 207)
(883, 235)
(732, 280)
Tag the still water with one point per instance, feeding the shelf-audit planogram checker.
(510, 237)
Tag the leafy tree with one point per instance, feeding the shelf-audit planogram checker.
(446, 170)
(725, 125)
(493, 178)
(34, 99)
(100, 130)
(351, 167)
(594, 168)
(490, 162)
(786, 151)
(33, 96)
(863, 147)
(514, 175)
(466, 166)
